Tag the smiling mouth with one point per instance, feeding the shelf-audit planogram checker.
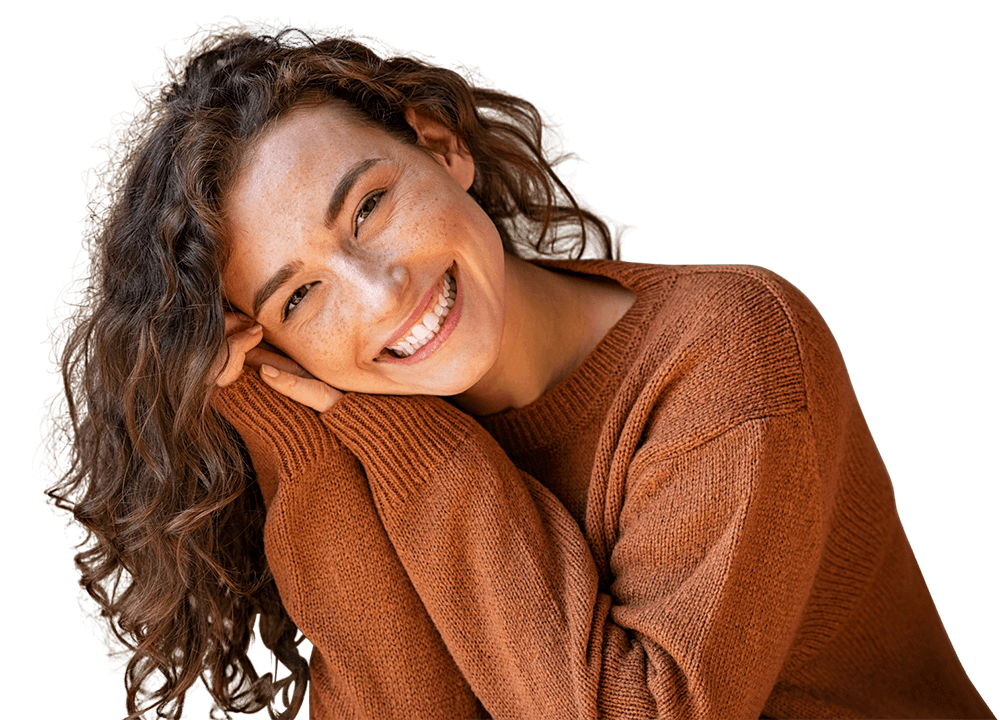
(430, 322)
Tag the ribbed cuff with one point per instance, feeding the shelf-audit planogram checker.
(272, 424)
(400, 441)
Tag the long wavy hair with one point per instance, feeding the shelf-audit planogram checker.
(174, 520)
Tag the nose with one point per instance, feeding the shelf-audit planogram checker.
(380, 284)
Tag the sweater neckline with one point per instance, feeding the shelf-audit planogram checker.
(588, 389)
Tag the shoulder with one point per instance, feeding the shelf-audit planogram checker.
(704, 293)
(723, 344)
(729, 348)
(742, 300)
(719, 318)
(706, 347)
(751, 312)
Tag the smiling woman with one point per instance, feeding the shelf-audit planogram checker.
(343, 370)
(336, 278)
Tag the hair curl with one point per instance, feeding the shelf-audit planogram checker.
(174, 549)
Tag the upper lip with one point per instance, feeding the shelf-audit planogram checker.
(418, 312)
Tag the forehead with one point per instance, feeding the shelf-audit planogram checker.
(310, 142)
(286, 181)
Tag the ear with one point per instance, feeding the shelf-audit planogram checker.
(446, 147)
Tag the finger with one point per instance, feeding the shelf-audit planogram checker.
(234, 354)
(244, 340)
(308, 391)
(262, 355)
(237, 321)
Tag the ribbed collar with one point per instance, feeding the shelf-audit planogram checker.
(588, 389)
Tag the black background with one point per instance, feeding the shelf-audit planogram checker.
(802, 160)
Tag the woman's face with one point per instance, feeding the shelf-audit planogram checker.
(343, 238)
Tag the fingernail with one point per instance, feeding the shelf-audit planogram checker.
(269, 371)
(254, 329)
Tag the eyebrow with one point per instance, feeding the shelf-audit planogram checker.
(268, 289)
(334, 209)
(344, 188)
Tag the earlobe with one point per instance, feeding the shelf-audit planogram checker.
(446, 147)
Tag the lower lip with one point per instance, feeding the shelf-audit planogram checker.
(430, 348)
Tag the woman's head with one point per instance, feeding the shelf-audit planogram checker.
(444, 174)
(342, 239)
(238, 91)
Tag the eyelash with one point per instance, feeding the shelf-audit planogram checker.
(377, 197)
(299, 295)
(291, 304)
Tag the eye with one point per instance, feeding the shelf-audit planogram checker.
(293, 301)
(366, 208)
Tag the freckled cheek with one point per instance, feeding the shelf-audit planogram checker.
(329, 353)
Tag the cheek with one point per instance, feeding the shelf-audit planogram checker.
(328, 350)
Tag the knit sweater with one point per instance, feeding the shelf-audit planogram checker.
(694, 523)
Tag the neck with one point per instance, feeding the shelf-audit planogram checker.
(551, 322)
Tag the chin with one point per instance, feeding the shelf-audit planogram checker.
(462, 376)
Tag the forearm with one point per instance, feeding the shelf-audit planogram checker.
(377, 653)
(502, 568)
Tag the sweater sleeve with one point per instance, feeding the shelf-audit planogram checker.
(338, 575)
(709, 578)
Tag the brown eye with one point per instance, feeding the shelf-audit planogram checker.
(367, 207)
(296, 297)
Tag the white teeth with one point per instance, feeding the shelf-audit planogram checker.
(428, 325)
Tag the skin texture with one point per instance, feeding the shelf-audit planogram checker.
(358, 277)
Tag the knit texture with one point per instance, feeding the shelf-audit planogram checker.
(695, 523)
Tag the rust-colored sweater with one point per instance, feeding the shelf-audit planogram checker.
(695, 523)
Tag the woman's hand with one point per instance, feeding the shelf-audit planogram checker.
(280, 372)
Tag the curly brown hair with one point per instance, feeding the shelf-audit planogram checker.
(162, 484)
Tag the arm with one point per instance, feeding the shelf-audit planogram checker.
(376, 654)
(708, 586)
